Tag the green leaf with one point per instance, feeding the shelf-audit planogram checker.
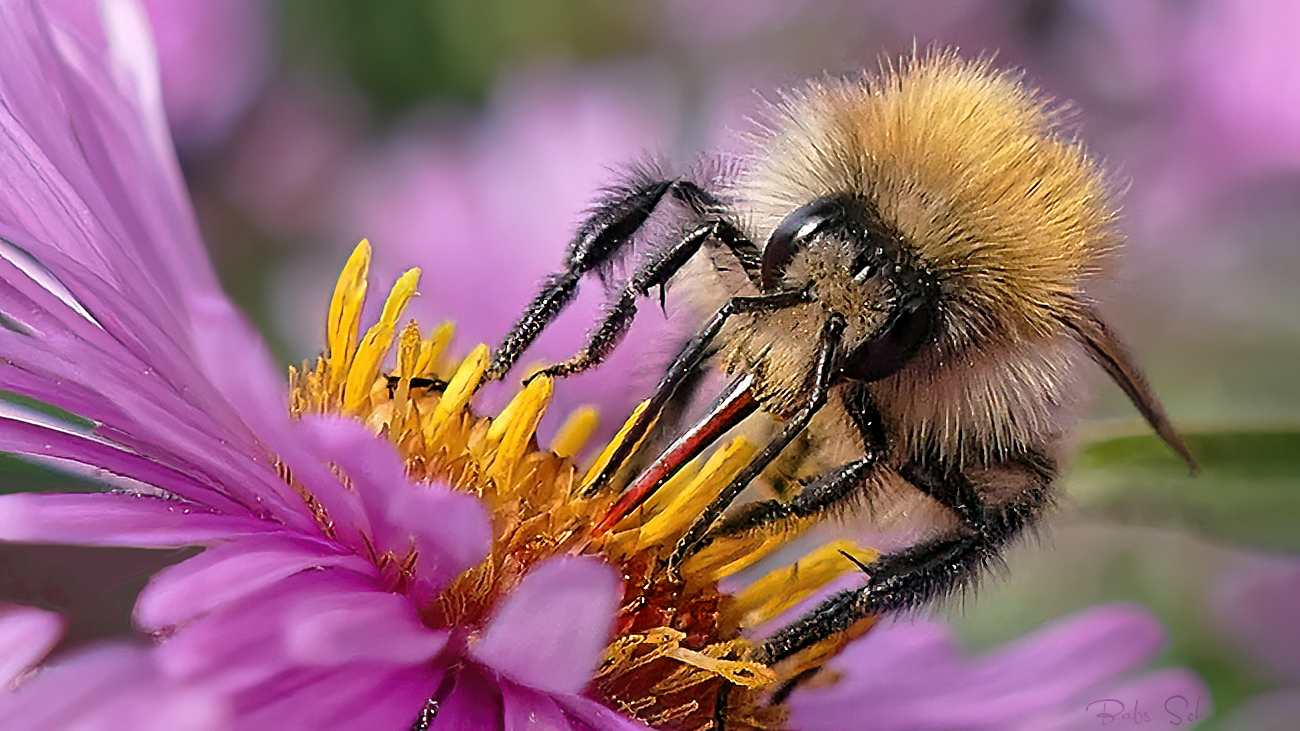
(1247, 490)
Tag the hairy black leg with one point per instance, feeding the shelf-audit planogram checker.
(654, 273)
(681, 369)
(822, 373)
(618, 318)
(934, 568)
(826, 492)
(607, 231)
(830, 489)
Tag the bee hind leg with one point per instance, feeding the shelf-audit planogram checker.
(935, 568)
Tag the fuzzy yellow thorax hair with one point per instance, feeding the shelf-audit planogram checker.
(968, 165)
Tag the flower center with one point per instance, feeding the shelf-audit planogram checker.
(679, 658)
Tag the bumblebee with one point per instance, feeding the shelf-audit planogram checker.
(914, 318)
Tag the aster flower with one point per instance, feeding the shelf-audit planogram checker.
(378, 556)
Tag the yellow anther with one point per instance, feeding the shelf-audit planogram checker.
(519, 426)
(377, 342)
(575, 432)
(460, 389)
(683, 508)
(608, 452)
(783, 588)
(344, 321)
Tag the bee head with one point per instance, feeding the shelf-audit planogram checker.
(858, 267)
(950, 188)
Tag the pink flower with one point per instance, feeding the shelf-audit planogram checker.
(114, 315)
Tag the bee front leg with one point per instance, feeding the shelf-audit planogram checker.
(607, 231)
(602, 238)
(828, 491)
(821, 377)
(618, 318)
(937, 567)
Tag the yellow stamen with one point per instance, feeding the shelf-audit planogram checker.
(344, 321)
(460, 389)
(575, 432)
(516, 436)
(433, 348)
(608, 453)
(377, 342)
(667, 525)
(781, 589)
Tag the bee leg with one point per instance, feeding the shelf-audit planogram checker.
(915, 575)
(826, 492)
(681, 370)
(600, 239)
(605, 233)
(433, 384)
(822, 375)
(618, 318)
(831, 489)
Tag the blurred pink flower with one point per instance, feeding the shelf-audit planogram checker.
(909, 676)
(1243, 83)
(214, 56)
(1256, 602)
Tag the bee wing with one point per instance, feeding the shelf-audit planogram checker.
(1105, 347)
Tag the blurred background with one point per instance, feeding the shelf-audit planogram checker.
(466, 137)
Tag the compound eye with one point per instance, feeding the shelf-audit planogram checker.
(793, 234)
(910, 327)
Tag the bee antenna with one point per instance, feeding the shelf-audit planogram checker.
(1108, 351)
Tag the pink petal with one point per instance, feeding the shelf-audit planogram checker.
(352, 698)
(230, 571)
(450, 530)
(523, 709)
(371, 627)
(95, 519)
(551, 631)
(1170, 698)
(111, 688)
(27, 635)
(473, 702)
(1056, 663)
(597, 716)
(255, 639)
